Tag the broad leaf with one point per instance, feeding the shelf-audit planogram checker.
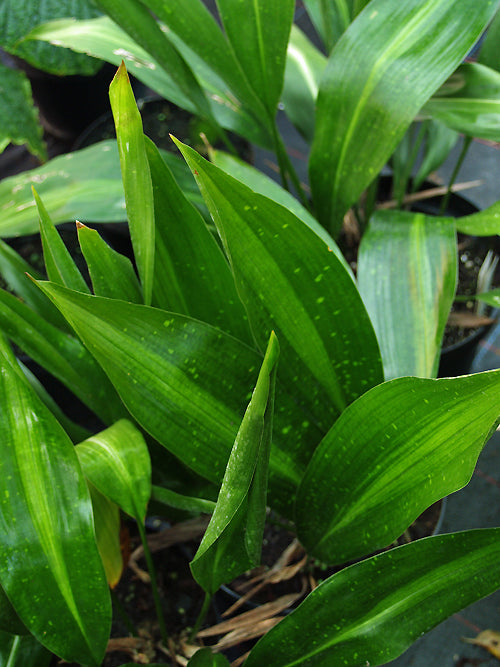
(371, 612)
(18, 115)
(232, 542)
(20, 651)
(51, 570)
(136, 177)
(117, 463)
(489, 54)
(407, 274)
(291, 282)
(192, 276)
(205, 658)
(112, 274)
(84, 185)
(107, 534)
(482, 223)
(186, 383)
(400, 447)
(379, 75)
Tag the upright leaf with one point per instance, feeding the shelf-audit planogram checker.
(489, 55)
(107, 534)
(50, 570)
(379, 75)
(439, 141)
(290, 281)
(233, 539)
(371, 612)
(407, 274)
(330, 18)
(136, 177)
(400, 447)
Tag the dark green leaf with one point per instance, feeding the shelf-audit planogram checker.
(400, 447)
(407, 274)
(205, 658)
(9, 620)
(22, 651)
(50, 570)
(232, 542)
(181, 502)
(489, 54)
(382, 71)
(371, 612)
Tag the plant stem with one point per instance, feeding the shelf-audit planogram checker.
(201, 616)
(461, 157)
(154, 583)
(14, 651)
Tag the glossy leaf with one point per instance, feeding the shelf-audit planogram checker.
(261, 47)
(51, 570)
(104, 39)
(111, 273)
(19, 117)
(482, 223)
(117, 463)
(186, 383)
(61, 354)
(192, 276)
(85, 184)
(291, 282)
(232, 542)
(205, 658)
(379, 75)
(20, 651)
(107, 535)
(400, 447)
(371, 612)
(59, 264)
(178, 501)
(136, 177)
(472, 105)
(407, 274)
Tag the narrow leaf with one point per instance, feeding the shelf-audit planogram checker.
(290, 281)
(380, 74)
(117, 463)
(51, 570)
(489, 54)
(112, 274)
(330, 18)
(371, 612)
(482, 223)
(107, 534)
(136, 177)
(400, 447)
(439, 141)
(233, 539)
(205, 658)
(178, 501)
(407, 274)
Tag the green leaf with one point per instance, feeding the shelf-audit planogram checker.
(492, 298)
(181, 502)
(407, 275)
(291, 282)
(51, 570)
(330, 18)
(439, 141)
(18, 115)
(400, 447)
(117, 463)
(112, 274)
(482, 223)
(61, 354)
(9, 620)
(186, 383)
(205, 658)
(232, 542)
(136, 177)
(84, 185)
(18, 17)
(371, 612)
(59, 264)
(489, 54)
(261, 47)
(472, 105)
(21, 651)
(192, 276)
(304, 68)
(104, 39)
(382, 71)
(107, 534)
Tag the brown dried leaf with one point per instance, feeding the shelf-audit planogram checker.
(488, 639)
(245, 634)
(468, 320)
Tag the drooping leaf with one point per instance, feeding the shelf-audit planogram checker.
(192, 276)
(204, 657)
(233, 539)
(186, 383)
(374, 610)
(51, 570)
(107, 534)
(400, 447)
(111, 273)
(291, 282)
(18, 651)
(379, 75)
(84, 185)
(18, 115)
(482, 223)
(407, 274)
(117, 463)
(136, 177)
